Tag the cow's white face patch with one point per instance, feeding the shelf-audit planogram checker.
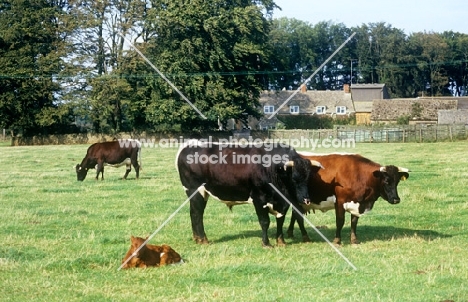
(324, 206)
(352, 207)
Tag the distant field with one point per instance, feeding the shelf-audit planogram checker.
(63, 240)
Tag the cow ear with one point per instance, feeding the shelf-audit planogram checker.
(404, 176)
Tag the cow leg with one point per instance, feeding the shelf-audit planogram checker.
(128, 169)
(300, 222)
(340, 220)
(291, 225)
(100, 169)
(136, 166)
(354, 222)
(264, 220)
(279, 231)
(197, 209)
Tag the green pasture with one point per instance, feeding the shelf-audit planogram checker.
(63, 240)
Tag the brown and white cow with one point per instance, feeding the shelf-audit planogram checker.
(115, 153)
(349, 183)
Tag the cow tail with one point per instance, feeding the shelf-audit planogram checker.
(139, 158)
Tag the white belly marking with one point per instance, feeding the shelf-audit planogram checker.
(324, 206)
(352, 207)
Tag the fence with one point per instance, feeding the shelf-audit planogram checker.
(386, 134)
(380, 134)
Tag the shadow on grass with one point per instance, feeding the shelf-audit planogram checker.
(377, 233)
(364, 233)
(386, 233)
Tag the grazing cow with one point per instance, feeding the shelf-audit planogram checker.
(236, 174)
(349, 183)
(115, 154)
(150, 255)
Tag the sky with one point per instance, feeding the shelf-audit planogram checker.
(408, 15)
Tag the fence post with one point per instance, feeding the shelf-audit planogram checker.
(450, 132)
(420, 135)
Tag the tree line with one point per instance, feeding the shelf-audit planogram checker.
(65, 65)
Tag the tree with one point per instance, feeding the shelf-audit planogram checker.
(291, 53)
(457, 65)
(381, 51)
(31, 49)
(430, 51)
(213, 52)
(298, 48)
(98, 55)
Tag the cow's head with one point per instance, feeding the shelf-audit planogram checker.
(389, 177)
(136, 243)
(301, 169)
(81, 172)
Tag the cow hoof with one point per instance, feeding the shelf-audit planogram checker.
(306, 238)
(280, 242)
(355, 242)
(267, 246)
(337, 242)
(199, 240)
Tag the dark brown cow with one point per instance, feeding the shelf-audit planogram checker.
(150, 255)
(115, 154)
(238, 173)
(349, 183)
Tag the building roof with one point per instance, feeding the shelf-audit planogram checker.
(308, 101)
(367, 86)
(459, 116)
(369, 92)
(391, 110)
(363, 107)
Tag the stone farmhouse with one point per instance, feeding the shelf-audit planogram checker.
(321, 103)
(369, 103)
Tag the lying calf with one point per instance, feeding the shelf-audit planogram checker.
(150, 255)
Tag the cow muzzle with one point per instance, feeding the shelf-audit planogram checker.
(306, 201)
(396, 201)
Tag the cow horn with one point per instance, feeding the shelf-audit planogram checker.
(316, 163)
(288, 164)
(383, 169)
(400, 169)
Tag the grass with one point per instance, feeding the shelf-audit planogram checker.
(63, 240)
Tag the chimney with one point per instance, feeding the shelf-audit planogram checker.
(303, 88)
(346, 88)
